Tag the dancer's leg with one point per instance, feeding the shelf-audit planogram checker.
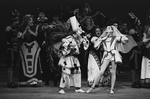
(99, 75)
(113, 76)
(10, 75)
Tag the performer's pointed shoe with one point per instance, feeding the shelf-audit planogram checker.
(79, 91)
(33, 84)
(136, 85)
(61, 91)
(11, 85)
(89, 90)
(112, 91)
(47, 83)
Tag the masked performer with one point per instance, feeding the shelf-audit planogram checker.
(12, 47)
(71, 72)
(42, 36)
(30, 70)
(111, 54)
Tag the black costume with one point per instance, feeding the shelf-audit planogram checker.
(12, 46)
(136, 56)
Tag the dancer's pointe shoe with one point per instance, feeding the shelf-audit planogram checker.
(11, 85)
(89, 90)
(61, 91)
(112, 91)
(79, 91)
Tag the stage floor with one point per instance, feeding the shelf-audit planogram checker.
(123, 90)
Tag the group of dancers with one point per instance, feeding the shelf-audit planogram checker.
(66, 50)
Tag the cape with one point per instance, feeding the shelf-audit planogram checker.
(126, 47)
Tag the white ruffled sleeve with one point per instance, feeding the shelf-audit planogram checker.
(96, 42)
